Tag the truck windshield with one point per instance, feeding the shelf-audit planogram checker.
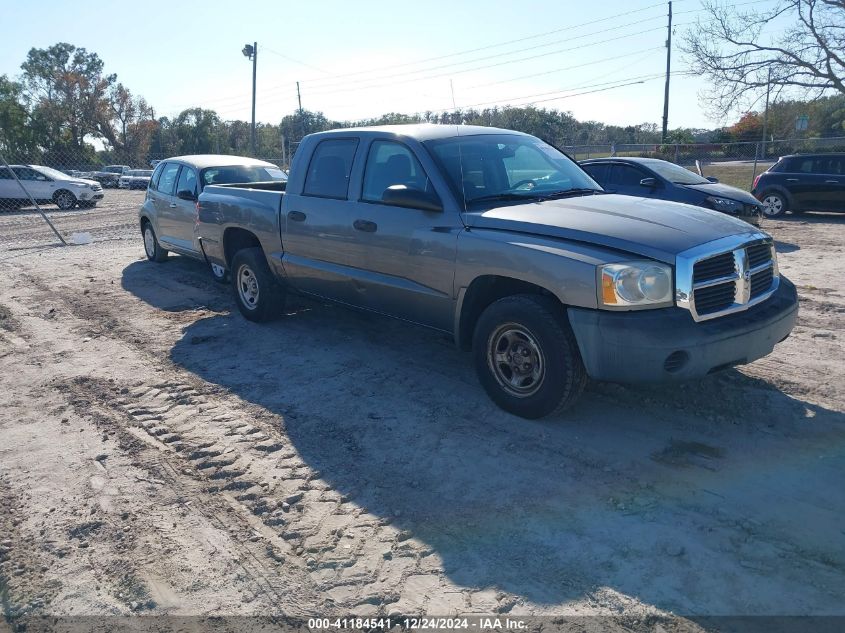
(507, 167)
(237, 174)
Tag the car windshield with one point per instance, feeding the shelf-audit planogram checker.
(235, 174)
(55, 174)
(113, 169)
(507, 167)
(144, 172)
(676, 173)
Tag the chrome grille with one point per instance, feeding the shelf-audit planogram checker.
(719, 266)
(96, 187)
(727, 275)
(758, 254)
(715, 298)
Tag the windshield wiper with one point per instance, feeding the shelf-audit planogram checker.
(505, 197)
(565, 193)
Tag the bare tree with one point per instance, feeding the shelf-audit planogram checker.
(796, 46)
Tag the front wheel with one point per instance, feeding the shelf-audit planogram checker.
(257, 293)
(774, 204)
(65, 200)
(526, 356)
(154, 251)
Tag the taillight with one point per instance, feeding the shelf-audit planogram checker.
(756, 180)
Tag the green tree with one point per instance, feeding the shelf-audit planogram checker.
(17, 141)
(68, 93)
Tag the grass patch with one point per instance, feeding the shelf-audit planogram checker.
(740, 176)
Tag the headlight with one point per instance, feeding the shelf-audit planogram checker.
(724, 204)
(635, 284)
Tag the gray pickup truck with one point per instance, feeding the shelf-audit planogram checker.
(505, 243)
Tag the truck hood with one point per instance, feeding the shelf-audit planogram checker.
(724, 191)
(656, 229)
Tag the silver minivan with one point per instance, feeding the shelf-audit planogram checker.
(168, 215)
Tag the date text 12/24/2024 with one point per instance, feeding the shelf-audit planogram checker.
(425, 623)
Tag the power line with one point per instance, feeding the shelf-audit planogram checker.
(496, 65)
(513, 52)
(489, 46)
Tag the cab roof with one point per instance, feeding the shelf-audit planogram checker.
(421, 131)
(201, 161)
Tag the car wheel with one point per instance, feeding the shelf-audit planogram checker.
(218, 273)
(154, 251)
(526, 356)
(774, 204)
(65, 200)
(257, 293)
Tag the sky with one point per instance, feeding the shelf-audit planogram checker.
(367, 58)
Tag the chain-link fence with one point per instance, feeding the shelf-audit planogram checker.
(687, 153)
(65, 183)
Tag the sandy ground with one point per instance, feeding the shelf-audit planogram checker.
(161, 455)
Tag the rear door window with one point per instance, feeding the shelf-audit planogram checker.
(167, 181)
(330, 168)
(828, 165)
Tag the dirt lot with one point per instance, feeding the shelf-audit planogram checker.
(160, 455)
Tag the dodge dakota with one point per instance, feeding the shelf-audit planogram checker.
(502, 241)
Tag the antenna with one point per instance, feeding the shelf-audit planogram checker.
(460, 153)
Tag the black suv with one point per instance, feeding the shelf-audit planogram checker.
(803, 182)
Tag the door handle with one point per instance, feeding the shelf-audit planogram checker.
(365, 225)
(172, 205)
(791, 180)
(296, 216)
(833, 182)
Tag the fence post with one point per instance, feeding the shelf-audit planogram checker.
(754, 171)
(676, 153)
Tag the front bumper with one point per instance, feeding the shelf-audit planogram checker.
(667, 345)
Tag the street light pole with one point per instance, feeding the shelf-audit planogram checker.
(251, 51)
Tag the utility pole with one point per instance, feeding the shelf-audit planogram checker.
(766, 113)
(299, 98)
(251, 51)
(668, 73)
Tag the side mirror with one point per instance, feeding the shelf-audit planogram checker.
(402, 196)
(712, 179)
(649, 182)
(185, 194)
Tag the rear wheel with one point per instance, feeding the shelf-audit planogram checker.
(774, 204)
(526, 356)
(257, 293)
(154, 251)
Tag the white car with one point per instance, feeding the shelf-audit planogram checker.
(46, 185)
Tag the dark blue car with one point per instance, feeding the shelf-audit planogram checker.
(654, 178)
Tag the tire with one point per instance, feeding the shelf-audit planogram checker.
(531, 326)
(154, 251)
(65, 200)
(259, 296)
(774, 203)
(218, 273)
